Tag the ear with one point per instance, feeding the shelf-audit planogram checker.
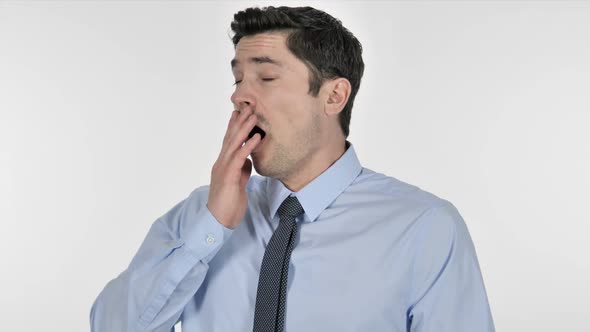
(338, 91)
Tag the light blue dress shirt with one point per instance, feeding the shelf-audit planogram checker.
(372, 254)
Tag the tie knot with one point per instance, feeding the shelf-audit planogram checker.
(290, 207)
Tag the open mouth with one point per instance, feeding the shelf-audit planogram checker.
(255, 130)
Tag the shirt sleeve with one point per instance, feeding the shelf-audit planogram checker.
(448, 292)
(165, 273)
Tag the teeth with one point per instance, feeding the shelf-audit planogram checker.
(255, 130)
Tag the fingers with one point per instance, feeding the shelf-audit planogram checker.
(242, 154)
(238, 132)
(232, 119)
(233, 151)
(240, 120)
(235, 117)
(241, 135)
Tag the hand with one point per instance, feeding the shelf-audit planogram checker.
(227, 199)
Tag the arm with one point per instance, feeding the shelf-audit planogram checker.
(165, 273)
(173, 260)
(448, 293)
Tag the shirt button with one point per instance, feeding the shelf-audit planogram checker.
(210, 239)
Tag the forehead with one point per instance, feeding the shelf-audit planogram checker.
(264, 48)
(275, 41)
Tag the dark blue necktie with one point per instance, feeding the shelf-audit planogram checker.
(269, 313)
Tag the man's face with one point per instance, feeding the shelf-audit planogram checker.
(274, 84)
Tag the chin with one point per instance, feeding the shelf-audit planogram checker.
(261, 167)
(256, 162)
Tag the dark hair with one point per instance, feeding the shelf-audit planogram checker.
(326, 47)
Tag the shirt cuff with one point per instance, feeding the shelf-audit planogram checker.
(206, 235)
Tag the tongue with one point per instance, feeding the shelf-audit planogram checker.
(255, 130)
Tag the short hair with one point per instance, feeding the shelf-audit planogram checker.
(319, 40)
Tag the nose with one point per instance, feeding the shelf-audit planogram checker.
(243, 98)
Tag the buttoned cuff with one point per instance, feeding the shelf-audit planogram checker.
(206, 235)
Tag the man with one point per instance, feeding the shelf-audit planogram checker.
(318, 242)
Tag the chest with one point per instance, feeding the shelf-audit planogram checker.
(345, 279)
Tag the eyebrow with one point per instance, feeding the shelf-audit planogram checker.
(258, 60)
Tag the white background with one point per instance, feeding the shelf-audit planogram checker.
(112, 112)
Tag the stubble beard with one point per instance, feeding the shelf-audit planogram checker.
(278, 162)
(284, 161)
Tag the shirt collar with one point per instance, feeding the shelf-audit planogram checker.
(317, 195)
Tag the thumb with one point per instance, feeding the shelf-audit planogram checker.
(246, 171)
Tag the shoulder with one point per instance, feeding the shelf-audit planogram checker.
(378, 188)
(416, 209)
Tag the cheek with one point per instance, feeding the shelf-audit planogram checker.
(289, 112)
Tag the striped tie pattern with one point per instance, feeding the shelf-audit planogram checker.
(269, 313)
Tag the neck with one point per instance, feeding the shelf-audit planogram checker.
(316, 164)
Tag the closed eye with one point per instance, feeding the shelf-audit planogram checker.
(264, 79)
